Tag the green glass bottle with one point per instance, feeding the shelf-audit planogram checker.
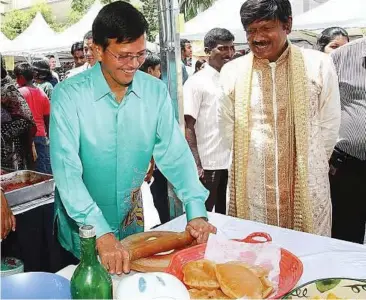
(90, 280)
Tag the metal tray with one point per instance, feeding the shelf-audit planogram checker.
(33, 191)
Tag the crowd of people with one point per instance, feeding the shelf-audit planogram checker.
(279, 131)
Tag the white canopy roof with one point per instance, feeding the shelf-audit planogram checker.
(37, 34)
(223, 13)
(226, 14)
(75, 33)
(343, 13)
(4, 41)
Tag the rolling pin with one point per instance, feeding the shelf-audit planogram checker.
(151, 243)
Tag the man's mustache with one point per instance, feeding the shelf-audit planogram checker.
(255, 43)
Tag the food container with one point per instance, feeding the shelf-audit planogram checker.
(11, 266)
(35, 285)
(291, 267)
(24, 186)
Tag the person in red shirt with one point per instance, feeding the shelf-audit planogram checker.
(39, 105)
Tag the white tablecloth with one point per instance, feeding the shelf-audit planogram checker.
(322, 257)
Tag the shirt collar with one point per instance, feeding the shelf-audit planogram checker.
(101, 87)
(210, 70)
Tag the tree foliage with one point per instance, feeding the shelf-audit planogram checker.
(149, 9)
(110, 1)
(78, 10)
(80, 7)
(16, 21)
(191, 8)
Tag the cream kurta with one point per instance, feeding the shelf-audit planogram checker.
(271, 154)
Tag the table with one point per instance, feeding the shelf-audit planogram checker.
(322, 257)
(34, 242)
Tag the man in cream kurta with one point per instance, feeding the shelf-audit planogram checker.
(281, 113)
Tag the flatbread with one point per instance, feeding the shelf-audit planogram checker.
(200, 274)
(267, 287)
(257, 270)
(237, 281)
(205, 294)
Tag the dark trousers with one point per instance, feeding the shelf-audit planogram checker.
(348, 192)
(159, 192)
(35, 243)
(216, 182)
(43, 162)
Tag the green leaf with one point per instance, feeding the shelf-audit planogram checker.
(327, 284)
(191, 8)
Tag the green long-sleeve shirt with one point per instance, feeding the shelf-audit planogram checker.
(100, 151)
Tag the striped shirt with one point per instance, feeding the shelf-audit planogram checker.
(350, 63)
(201, 94)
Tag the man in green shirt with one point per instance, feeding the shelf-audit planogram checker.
(106, 124)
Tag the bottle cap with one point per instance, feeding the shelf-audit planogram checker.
(86, 231)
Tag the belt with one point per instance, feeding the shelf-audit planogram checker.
(341, 154)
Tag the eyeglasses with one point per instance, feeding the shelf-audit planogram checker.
(126, 58)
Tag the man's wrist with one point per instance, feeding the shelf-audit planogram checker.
(106, 235)
(195, 209)
(202, 218)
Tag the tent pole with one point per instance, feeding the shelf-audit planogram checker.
(171, 74)
(170, 53)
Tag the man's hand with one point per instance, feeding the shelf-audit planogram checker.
(7, 218)
(192, 142)
(150, 172)
(200, 229)
(201, 173)
(113, 255)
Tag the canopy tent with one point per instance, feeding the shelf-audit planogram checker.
(226, 14)
(37, 34)
(347, 14)
(40, 39)
(223, 13)
(4, 41)
(75, 33)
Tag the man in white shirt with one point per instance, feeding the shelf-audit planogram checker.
(89, 56)
(201, 94)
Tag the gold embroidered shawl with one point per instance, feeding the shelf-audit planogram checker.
(298, 108)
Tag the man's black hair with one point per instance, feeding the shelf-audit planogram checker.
(215, 35)
(183, 43)
(88, 35)
(50, 56)
(41, 70)
(78, 46)
(328, 35)
(24, 69)
(265, 10)
(152, 60)
(118, 20)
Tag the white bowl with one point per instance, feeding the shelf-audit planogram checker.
(151, 286)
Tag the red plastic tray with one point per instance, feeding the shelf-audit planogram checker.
(291, 267)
